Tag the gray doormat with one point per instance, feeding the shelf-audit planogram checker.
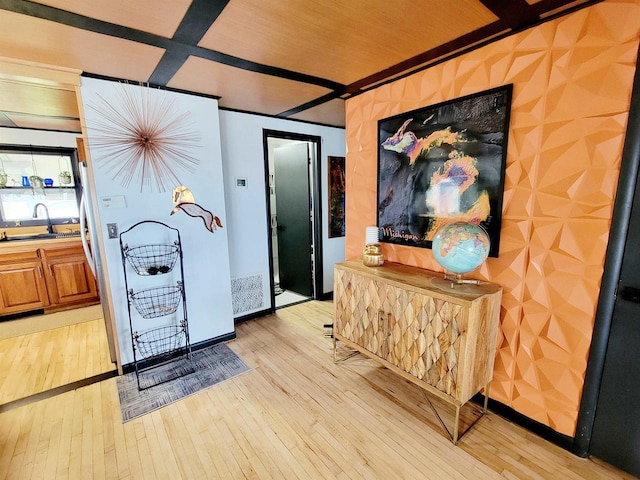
(211, 365)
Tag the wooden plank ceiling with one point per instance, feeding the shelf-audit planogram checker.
(296, 59)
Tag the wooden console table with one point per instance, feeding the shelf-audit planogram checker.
(438, 336)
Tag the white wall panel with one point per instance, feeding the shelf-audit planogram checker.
(243, 156)
(206, 256)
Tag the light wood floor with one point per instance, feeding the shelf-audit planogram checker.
(296, 415)
(40, 361)
(48, 321)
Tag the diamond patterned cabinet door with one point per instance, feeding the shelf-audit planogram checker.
(425, 338)
(360, 312)
(439, 336)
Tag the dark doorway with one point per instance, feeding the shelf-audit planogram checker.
(616, 429)
(295, 243)
(293, 200)
(608, 425)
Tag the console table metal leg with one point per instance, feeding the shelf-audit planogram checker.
(335, 356)
(456, 426)
(486, 397)
(454, 435)
(352, 353)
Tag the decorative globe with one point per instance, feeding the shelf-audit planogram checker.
(461, 247)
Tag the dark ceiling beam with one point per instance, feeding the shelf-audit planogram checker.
(428, 56)
(64, 17)
(265, 69)
(471, 41)
(313, 103)
(471, 38)
(549, 9)
(167, 67)
(515, 13)
(196, 22)
(179, 49)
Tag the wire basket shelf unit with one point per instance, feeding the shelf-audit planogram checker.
(160, 342)
(156, 299)
(152, 259)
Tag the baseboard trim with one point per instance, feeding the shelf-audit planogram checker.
(213, 341)
(18, 316)
(326, 296)
(143, 365)
(533, 426)
(253, 316)
(294, 303)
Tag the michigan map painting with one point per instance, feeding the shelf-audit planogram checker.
(442, 164)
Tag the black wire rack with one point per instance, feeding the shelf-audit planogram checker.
(152, 259)
(157, 342)
(160, 341)
(157, 301)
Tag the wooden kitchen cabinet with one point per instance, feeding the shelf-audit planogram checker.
(50, 277)
(68, 276)
(438, 336)
(22, 283)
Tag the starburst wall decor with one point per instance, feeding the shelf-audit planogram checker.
(143, 138)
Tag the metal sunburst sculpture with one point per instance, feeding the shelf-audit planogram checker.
(143, 138)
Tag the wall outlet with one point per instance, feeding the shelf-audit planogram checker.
(112, 228)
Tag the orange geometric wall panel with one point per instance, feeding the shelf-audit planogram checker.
(572, 81)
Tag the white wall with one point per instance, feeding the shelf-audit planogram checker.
(206, 265)
(245, 223)
(243, 156)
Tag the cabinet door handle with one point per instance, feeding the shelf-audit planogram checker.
(51, 270)
(39, 271)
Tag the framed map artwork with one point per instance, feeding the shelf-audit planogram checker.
(442, 164)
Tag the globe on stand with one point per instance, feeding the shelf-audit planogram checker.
(460, 248)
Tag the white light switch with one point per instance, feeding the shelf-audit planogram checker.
(112, 230)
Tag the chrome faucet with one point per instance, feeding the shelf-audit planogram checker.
(46, 210)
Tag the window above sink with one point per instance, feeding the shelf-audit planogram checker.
(38, 175)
